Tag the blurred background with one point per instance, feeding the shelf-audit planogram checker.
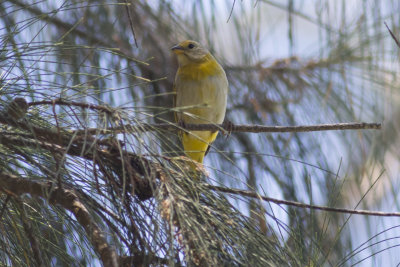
(288, 63)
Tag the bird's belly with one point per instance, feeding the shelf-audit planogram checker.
(202, 102)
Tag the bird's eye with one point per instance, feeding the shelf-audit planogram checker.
(190, 46)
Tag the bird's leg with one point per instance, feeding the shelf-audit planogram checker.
(228, 127)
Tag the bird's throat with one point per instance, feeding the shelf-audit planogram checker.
(193, 70)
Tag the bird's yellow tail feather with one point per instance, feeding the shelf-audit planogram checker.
(195, 145)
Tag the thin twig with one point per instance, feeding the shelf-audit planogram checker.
(300, 205)
(394, 37)
(235, 128)
(130, 22)
(230, 13)
(206, 127)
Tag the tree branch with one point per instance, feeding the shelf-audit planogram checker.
(207, 127)
(68, 200)
(234, 128)
(246, 193)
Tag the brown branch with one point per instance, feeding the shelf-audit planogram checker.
(139, 166)
(70, 201)
(299, 204)
(272, 129)
(208, 127)
(234, 128)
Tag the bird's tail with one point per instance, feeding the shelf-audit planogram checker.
(196, 148)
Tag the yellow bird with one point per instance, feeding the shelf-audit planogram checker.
(201, 89)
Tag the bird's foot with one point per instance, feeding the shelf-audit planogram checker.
(228, 127)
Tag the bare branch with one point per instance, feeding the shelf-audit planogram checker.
(207, 127)
(235, 128)
(300, 205)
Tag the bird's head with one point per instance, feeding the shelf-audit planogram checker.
(190, 52)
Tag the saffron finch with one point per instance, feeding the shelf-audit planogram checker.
(201, 89)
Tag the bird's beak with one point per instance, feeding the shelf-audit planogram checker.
(178, 49)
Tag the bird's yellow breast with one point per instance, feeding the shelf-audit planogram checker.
(193, 71)
(201, 92)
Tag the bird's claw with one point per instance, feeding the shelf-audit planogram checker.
(228, 127)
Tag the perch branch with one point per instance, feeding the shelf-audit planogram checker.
(234, 128)
(207, 127)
